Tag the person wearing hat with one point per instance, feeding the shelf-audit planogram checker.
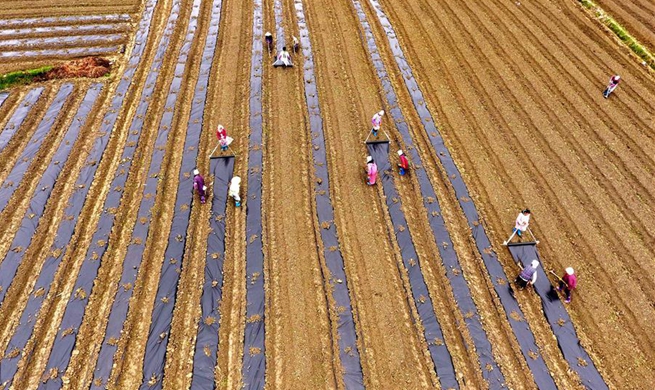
(528, 275)
(199, 185)
(404, 163)
(568, 282)
(614, 82)
(376, 121)
(235, 186)
(371, 171)
(522, 222)
(269, 41)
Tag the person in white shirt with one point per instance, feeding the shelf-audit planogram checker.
(376, 122)
(235, 186)
(522, 222)
(283, 59)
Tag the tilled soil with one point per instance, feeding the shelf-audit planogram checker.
(515, 89)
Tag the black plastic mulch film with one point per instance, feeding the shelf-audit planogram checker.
(559, 320)
(441, 359)
(63, 346)
(19, 22)
(204, 359)
(136, 247)
(162, 314)
(481, 345)
(3, 97)
(348, 353)
(77, 51)
(24, 235)
(521, 329)
(32, 215)
(524, 336)
(23, 162)
(76, 29)
(19, 115)
(79, 40)
(254, 357)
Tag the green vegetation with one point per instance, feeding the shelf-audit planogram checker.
(21, 77)
(620, 32)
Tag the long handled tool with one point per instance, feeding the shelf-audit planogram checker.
(533, 237)
(510, 238)
(558, 277)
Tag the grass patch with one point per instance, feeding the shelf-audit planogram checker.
(21, 77)
(625, 37)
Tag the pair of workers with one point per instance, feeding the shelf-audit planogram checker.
(201, 189)
(371, 166)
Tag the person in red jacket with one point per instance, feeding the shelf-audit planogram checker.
(568, 283)
(404, 163)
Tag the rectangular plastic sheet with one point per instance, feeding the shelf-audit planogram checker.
(254, 353)
(212, 293)
(336, 279)
(37, 206)
(19, 115)
(23, 162)
(441, 359)
(553, 308)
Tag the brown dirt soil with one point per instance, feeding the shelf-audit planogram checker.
(84, 67)
(515, 90)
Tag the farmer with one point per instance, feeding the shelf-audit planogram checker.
(371, 171)
(568, 283)
(283, 59)
(235, 185)
(199, 185)
(614, 82)
(528, 275)
(522, 222)
(376, 121)
(404, 163)
(296, 45)
(223, 139)
(268, 37)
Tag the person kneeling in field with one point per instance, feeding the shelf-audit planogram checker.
(283, 59)
(528, 275)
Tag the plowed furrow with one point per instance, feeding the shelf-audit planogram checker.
(27, 111)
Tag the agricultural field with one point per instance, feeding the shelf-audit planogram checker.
(114, 274)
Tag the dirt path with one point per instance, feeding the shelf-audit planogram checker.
(297, 327)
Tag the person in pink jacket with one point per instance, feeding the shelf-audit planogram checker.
(568, 283)
(376, 122)
(371, 171)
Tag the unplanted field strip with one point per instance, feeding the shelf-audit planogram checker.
(204, 359)
(19, 115)
(72, 40)
(84, 29)
(162, 313)
(63, 346)
(347, 336)
(254, 353)
(48, 53)
(586, 372)
(23, 237)
(521, 329)
(19, 22)
(37, 206)
(23, 162)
